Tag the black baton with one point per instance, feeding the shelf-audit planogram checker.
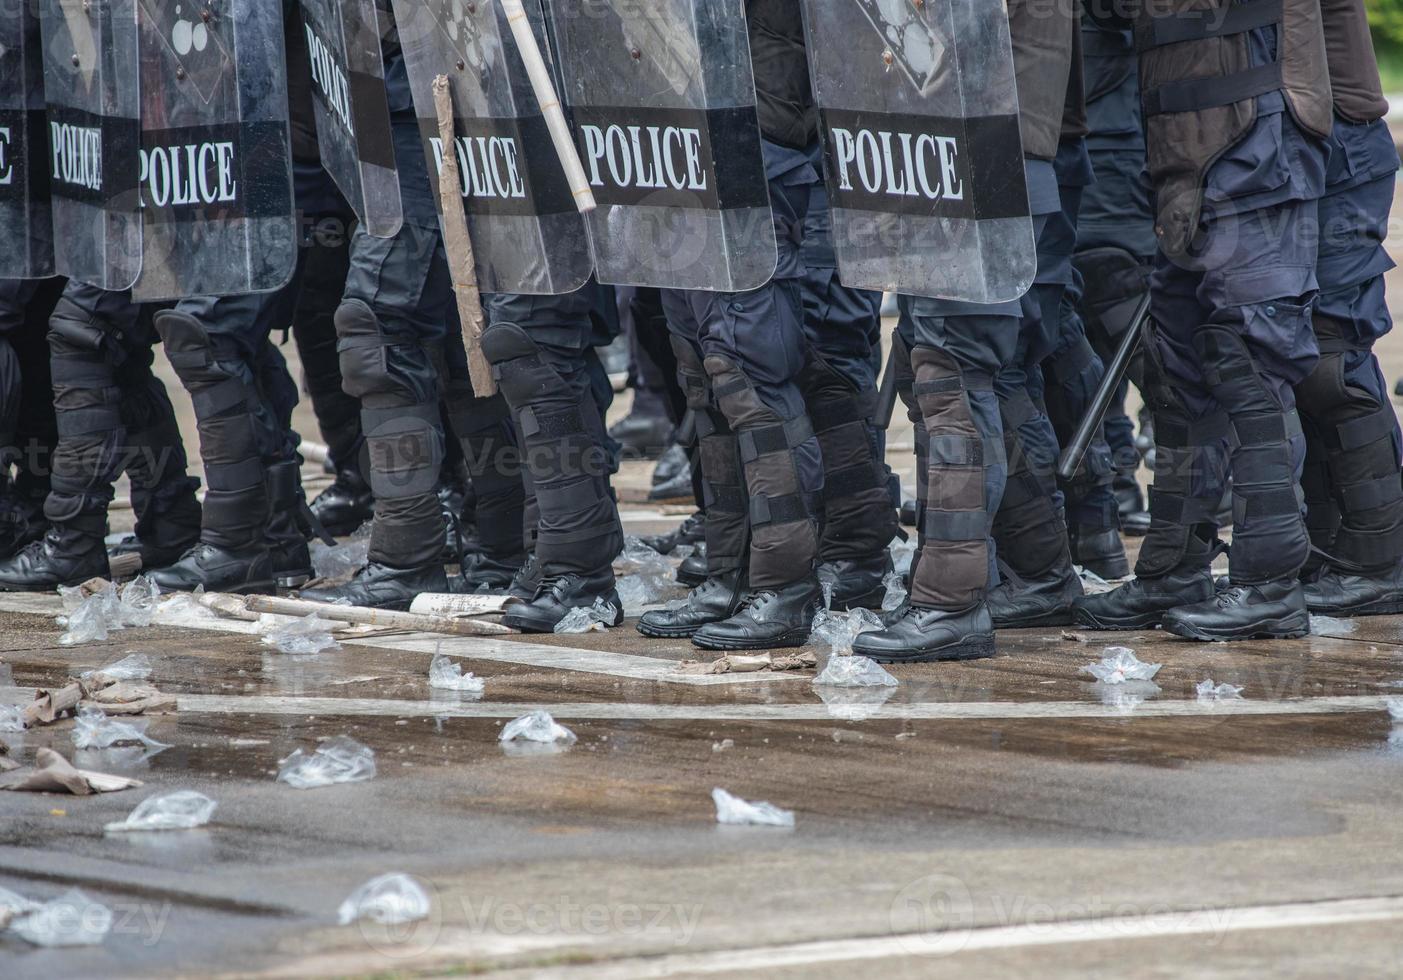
(1115, 374)
(886, 391)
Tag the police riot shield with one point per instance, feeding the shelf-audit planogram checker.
(527, 234)
(662, 97)
(216, 163)
(923, 156)
(353, 114)
(26, 231)
(91, 96)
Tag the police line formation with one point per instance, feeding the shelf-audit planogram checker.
(203, 173)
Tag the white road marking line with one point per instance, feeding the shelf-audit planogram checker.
(271, 704)
(1214, 923)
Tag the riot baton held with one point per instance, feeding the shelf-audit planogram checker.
(1115, 374)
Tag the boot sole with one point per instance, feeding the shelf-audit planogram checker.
(670, 633)
(1273, 630)
(794, 638)
(1057, 617)
(1379, 607)
(970, 648)
(1148, 621)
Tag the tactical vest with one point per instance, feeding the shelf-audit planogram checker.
(1043, 36)
(1200, 90)
(782, 88)
(1354, 72)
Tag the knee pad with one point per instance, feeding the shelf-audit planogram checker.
(360, 349)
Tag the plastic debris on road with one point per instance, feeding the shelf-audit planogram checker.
(1395, 708)
(736, 811)
(389, 899)
(139, 597)
(340, 561)
(896, 592)
(637, 592)
(183, 809)
(1330, 626)
(853, 703)
(902, 553)
(338, 760)
(93, 729)
(1120, 665)
(11, 719)
(72, 919)
(645, 576)
(1208, 691)
(1126, 696)
(90, 618)
(446, 674)
(836, 630)
(584, 619)
(184, 609)
(132, 667)
(302, 637)
(536, 726)
(723, 745)
(851, 671)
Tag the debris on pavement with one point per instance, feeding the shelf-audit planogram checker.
(132, 667)
(52, 773)
(644, 575)
(1118, 665)
(836, 631)
(1208, 691)
(853, 703)
(96, 608)
(852, 671)
(584, 619)
(301, 637)
(734, 810)
(1395, 708)
(446, 674)
(338, 760)
(181, 810)
(536, 726)
(1071, 637)
(1330, 626)
(341, 561)
(124, 698)
(72, 919)
(389, 899)
(896, 592)
(95, 730)
(185, 609)
(902, 553)
(11, 719)
(723, 745)
(1126, 696)
(744, 663)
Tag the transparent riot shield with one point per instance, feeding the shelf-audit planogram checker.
(216, 165)
(91, 96)
(353, 114)
(923, 156)
(26, 229)
(662, 98)
(527, 235)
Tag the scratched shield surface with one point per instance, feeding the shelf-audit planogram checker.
(923, 156)
(527, 235)
(662, 97)
(26, 227)
(216, 169)
(91, 97)
(352, 112)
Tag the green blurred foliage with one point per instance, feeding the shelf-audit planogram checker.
(1386, 16)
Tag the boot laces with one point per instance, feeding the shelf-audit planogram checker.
(756, 598)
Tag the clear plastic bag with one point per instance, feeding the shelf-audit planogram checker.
(181, 810)
(93, 729)
(736, 811)
(132, 667)
(338, 760)
(536, 726)
(389, 899)
(72, 919)
(586, 619)
(1120, 665)
(302, 637)
(446, 674)
(850, 671)
(1208, 691)
(836, 631)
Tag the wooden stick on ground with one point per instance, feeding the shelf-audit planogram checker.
(458, 243)
(374, 617)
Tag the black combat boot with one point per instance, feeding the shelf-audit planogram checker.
(345, 505)
(246, 571)
(1042, 601)
(483, 573)
(287, 543)
(69, 553)
(919, 635)
(556, 595)
(22, 521)
(693, 570)
(767, 619)
(1273, 610)
(714, 601)
(1339, 593)
(672, 465)
(857, 583)
(379, 586)
(645, 432)
(1099, 550)
(1142, 603)
(691, 531)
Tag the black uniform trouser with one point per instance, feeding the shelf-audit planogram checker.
(28, 428)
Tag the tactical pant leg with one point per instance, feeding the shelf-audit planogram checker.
(483, 428)
(1072, 375)
(35, 431)
(314, 330)
(578, 529)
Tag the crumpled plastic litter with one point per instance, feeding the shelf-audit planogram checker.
(1395, 708)
(536, 726)
(902, 554)
(896, 592)
(446, 674)
(1126, 696)
(183, 809)
(1120, 665)
(90, 618)
(93, 729)
(851, 671)
(342, 560)
(184, 609)
(853, 703)
(1208, 691)
(645, 575)
(389, 899)
(338, 760)
(583, 619)
(836, 631)
(734, 810)
(139, 597)
(1330, 626)
(637, 592)
(11, 718)
(72, 919)
(132, 667)
(302, 637)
